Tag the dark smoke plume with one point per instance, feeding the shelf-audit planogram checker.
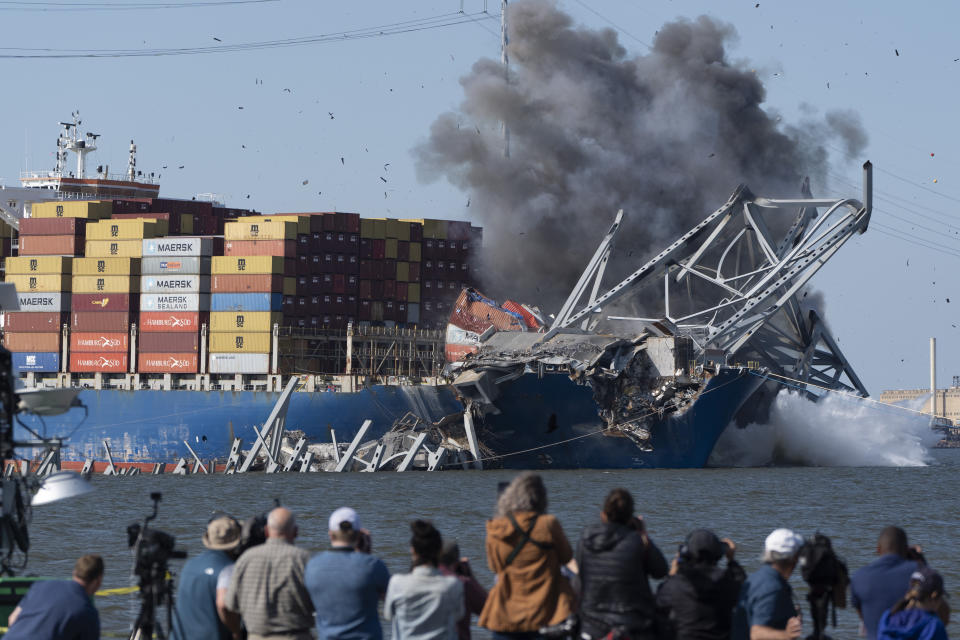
(667, 136)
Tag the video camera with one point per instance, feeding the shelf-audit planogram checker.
(827, 575)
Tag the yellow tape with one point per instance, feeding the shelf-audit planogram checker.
(120, 591)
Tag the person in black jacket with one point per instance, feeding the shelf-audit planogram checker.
(616, 558)
(696, 602)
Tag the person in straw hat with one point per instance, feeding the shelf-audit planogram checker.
(204, 579)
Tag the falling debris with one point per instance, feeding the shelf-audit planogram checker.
(341, 160)
(217, 39)
(931, 155)
(181, 166)
(468, 202)
(897, 52)
(382, 178)
(330, 113)
(286, 91)
(240, 108)
(385, 166)
(305, 182)
(948, 300)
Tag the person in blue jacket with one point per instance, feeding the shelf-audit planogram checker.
(918, 614)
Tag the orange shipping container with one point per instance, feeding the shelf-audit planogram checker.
(51, 246)
(113, 342)
(246, 284)
(106, 362)
(285, 248)
(32, 342)
(167, 363)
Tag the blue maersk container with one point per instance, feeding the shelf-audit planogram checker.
(44, 362)
(246, 302)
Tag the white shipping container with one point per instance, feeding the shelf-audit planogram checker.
(175, 283)
(175, 302)
(165, 265)
(240, 363)
(49, 302)
(178, 246)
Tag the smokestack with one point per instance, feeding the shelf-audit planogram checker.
(933, 376)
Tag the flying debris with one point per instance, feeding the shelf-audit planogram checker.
(287, 91)
(181, 166)
(385, 166)
(305, 182)
(341, 160)
(217, 39)
(896, 51)
(241, 108)
(330, 113)
(382, 178)
(468, 202)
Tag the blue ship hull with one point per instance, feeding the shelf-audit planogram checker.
(552, 423)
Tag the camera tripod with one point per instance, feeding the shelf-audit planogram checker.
(156, 592)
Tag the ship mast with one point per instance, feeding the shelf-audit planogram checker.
(71, 140)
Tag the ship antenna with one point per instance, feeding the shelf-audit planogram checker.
(132, 163)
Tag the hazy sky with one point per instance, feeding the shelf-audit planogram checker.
(343, 114)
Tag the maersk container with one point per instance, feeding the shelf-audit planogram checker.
(167, 363)
(38, 264)
(163, 265)
(103, 362)
(106, 284)
(175, 302)
(48, 283)
(39, 362)
(175, 283)
(239, 363)
(169, 342)
(99, 342)
(178, 247)
(31, 342)
(33, 321)
(88, 321)
(246, 302)
(104, 302)
(43, 301)
(169, 321)
(106, 266)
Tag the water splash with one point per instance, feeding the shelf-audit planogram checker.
(837, 431)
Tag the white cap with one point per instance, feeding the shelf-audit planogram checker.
(783, 541)
(344, 514)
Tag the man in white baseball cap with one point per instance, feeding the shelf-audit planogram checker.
(345, 583)
(766, 610)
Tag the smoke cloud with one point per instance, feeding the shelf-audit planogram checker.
(667, 136)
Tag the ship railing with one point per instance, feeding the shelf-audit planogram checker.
(119, 177)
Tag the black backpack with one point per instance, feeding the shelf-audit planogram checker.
(828, 578)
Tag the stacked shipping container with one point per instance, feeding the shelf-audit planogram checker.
(175, 303)
(33, 334)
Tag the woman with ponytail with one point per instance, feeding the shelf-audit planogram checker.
(921, 614)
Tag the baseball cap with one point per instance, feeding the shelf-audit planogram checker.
(927, 581)
(222, 534)
(783, 541)
(344, 514)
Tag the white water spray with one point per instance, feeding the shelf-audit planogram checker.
(837, 431)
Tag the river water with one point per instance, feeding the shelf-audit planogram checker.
(848, 504)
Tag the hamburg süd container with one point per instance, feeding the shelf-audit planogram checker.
(106, 266)
(39, 362)
(229, 342)
(38, 264)
(163, 265)
(114, 248)
(246, 302)
(51, 246)
(99, 342)
(105, 302)
(257, 321)
(170, 321)
(105, 362)
(43, 301)
(33, 321)
(31, 342)
(178, 246)
(169, 342)
(106, 284)
(175, 302)
(239, 363)
(95, 321)
(175, 283)
(167, 362)
(46, 283)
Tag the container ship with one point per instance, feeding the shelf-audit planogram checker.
(182, 320)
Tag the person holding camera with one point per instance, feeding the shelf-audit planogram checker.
(346, 584)
(766, 609)
(474, 595)
(880, 585)
(920, 614)
(696, 602)
(204, 579)
(267, 590)
(60, 609)
(526, 549)
(616, 559)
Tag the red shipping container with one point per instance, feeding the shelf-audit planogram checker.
(167, 363)
(365, 289)
(401, 293)
(170, 321)
(34, 321)
(339, 283)
(389, 270)
(105, 362)
(112, 342)
(329, 222)
(131, 205)
(377, 273)
(457, 352)
(366, 268)
(53, 227)
(366, 247)
(364, 310)
(403, 250)
(376, 290)
(100, 321)
(32, 342)
(105, 302)
(51, 245)
(458, 230)
(172, 342)
(528, 318)
(285, 248)
(414, 272)
(379, 249)
(389, 289)
(352, 222)
(416, 232)
(262, 283)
